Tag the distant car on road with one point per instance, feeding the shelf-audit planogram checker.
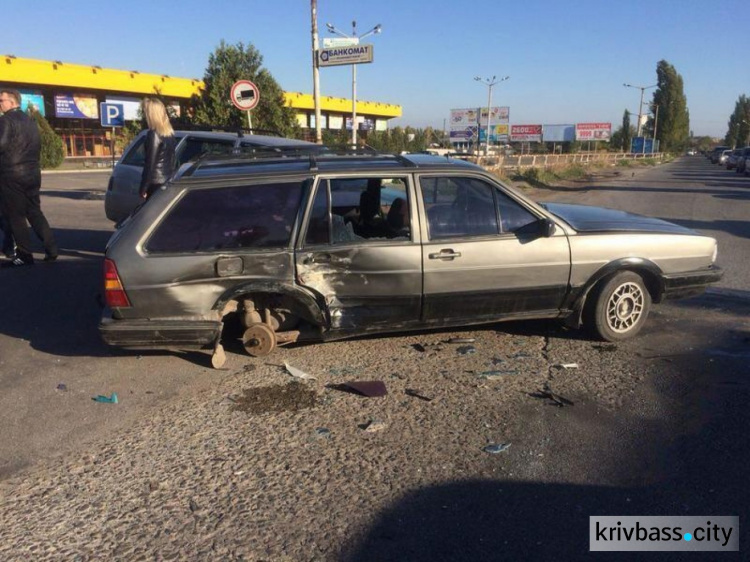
(716, 153)
(741, 167)
(732, 157)
(723, 157)
(122, 192)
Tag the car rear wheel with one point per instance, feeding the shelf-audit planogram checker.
(259, 340)
(619, 307)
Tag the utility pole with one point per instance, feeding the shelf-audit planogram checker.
(316, 70)
(640, 105)
(489, 82)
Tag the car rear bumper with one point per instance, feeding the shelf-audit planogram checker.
(691, 283)
(158, 333)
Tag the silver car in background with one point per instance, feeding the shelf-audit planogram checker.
(122, 196)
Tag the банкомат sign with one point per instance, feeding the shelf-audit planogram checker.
(353, 54)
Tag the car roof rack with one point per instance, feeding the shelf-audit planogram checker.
(239, 131)
(314, 154)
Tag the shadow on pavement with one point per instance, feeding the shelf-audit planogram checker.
(55, 306)
(693, 463)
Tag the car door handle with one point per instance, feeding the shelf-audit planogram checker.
(445, 255)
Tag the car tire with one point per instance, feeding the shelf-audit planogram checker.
(619, 307)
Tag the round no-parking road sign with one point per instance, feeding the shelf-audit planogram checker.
(244, 95)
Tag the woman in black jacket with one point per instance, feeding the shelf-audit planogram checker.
(160, 148)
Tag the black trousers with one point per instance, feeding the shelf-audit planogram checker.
(8, 245)
(19, 197)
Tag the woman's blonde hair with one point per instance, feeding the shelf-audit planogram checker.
(156, 117)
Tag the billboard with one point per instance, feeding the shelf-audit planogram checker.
(497, 115)
(131, 106)
(467, 134)
(499, 133)
(559, 133)
(642, 145)
(593, 131)
(462, 118)
(526, 133)
(33, 98)
(76, 106)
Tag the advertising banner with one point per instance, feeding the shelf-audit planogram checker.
(559, 133)
(76, 106)
(323, 121)
(499, 133)
(467, 134)
(131, 106)
(33, 98)
(642, 145)
(462, 118)
(335, 122)
(497, 115)
(593, 131)
(526, 133)
(354, 54)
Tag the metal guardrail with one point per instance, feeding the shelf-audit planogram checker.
(521, 161)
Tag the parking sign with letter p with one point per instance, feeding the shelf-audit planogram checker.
(112, 114)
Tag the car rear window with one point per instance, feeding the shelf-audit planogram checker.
(229, 218)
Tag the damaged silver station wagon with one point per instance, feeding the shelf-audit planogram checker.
(329, 246)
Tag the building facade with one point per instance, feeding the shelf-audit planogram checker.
(69, 97)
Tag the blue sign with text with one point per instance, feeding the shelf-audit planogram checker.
(112, 114)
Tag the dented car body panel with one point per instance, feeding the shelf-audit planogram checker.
(350, 245)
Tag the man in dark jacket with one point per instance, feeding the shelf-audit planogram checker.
(21, 180)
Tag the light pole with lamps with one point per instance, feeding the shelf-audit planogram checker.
(489, 82)
(640, 106)
(355, 40)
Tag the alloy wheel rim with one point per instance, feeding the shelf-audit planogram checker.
(625, 307)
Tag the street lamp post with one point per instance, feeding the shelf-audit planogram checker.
(316, 70)
(355, 39)
(640, 106)
(489, 82)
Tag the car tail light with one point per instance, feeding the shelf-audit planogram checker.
(114, 292)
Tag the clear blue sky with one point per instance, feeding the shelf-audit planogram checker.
(567, 60)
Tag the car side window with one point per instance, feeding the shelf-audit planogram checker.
(195, 147)
(230, 218)
(513, 217)
(319, 225)
(458, 207)
(360, 209)
(136, 156)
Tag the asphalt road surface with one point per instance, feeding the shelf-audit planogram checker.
(658, 426)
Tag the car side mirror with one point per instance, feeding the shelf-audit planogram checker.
(547, 227)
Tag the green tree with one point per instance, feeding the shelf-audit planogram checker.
(738, 128)
(53, 151)
(702, 143)
(226, 65)
(673, 125)
(622, 137)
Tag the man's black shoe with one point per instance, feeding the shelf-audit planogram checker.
(18, 262)
(50, 258)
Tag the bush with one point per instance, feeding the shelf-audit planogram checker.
(53, 151)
